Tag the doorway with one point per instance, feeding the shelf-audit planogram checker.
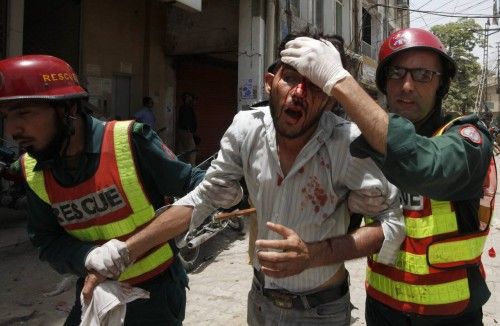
(121, 97)
(214, 83)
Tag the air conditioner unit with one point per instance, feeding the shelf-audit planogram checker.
(402, 3)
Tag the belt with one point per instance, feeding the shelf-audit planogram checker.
(289, 300)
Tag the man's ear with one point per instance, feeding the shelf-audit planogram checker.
(268, 79)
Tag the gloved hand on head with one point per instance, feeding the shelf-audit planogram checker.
(221, 192)
(369, 202)
(317, 60)
(109, 260)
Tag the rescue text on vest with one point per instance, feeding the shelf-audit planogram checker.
(85, 208)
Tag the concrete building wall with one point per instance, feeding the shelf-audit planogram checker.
(158, 80)
(113, 45)
(251, 53)
(14, 44)
(212, 31)
(130, 47)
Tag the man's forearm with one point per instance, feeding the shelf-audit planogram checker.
(164, 227)
(371, 119)
(362, 242)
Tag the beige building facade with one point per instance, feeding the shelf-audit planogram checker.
(216, 49)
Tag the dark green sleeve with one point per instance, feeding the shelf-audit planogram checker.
(446, 167)
(162, 174)
(63, 252)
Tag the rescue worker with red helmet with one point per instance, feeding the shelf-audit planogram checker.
(444, 169)
(89, 182)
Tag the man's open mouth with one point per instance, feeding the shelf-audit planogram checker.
(293, 116)
(406, 101)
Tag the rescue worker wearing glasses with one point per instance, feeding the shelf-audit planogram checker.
(90, 181)
(444, 169)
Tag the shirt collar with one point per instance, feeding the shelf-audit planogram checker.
(94, 131)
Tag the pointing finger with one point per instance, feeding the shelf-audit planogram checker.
(280, 229)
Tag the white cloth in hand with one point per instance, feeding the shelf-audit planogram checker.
(317, 60)
(371, 202)
(368, 202)
(109, 260)
(109, 303)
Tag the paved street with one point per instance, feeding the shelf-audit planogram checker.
(219, 285)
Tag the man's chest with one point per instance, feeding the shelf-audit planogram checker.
(311, 187)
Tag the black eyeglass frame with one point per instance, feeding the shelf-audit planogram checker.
(414, 73)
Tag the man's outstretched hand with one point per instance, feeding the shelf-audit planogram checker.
(282, 258)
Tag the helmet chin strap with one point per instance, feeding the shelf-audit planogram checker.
(68, 130)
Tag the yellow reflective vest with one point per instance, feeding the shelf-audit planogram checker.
(429, 276)
(110, 205)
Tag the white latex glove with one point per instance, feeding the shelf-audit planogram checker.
(368, 202)
(109, 260)
(221, 193)
(317, 60)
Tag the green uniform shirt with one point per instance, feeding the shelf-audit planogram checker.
(449, 167)
(160, 172)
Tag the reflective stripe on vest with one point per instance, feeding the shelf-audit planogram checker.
(148, 263)
(434, 294)
(424, 227)
(429, 276)
(440, 254)
(139, 210)
(456, 250)
(34, 178)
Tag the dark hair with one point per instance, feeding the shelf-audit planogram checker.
(336, 40)
(146, 100)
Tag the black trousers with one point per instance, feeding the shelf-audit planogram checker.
(166, 305)
(378, 314)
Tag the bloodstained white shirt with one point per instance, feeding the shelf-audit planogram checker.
(311, 199)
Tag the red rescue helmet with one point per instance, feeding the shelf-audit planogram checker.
(413, 38)
(41, 77)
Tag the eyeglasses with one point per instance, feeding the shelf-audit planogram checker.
(417, 74)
